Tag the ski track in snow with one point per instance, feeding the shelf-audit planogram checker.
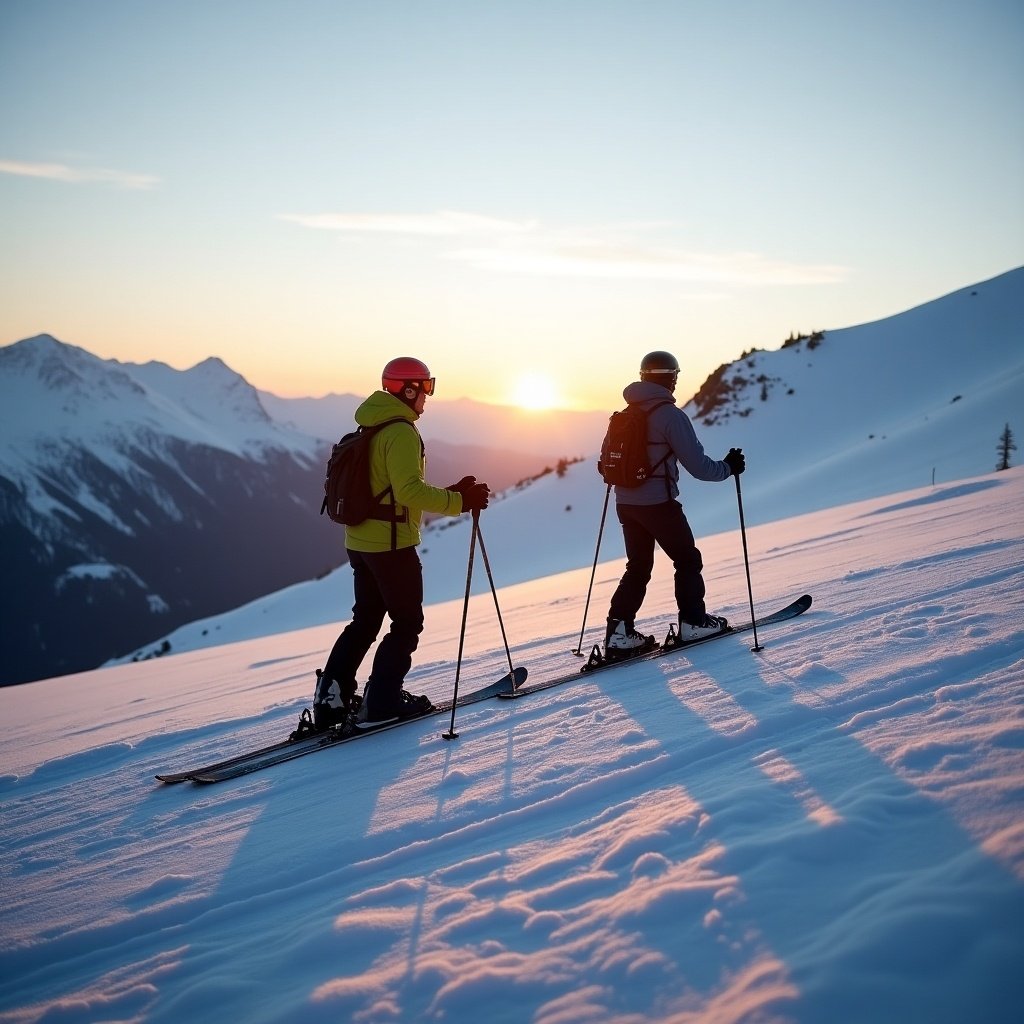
(829, 830)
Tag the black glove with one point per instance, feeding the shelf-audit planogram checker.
(735, 461)
(474, 496)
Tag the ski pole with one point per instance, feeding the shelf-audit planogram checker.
(451, 734)
(494, 593)
(578, 650)
(746, 563)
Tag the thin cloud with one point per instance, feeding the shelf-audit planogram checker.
(444, 222)
(608, 251)
(78, 175)
(637, 262)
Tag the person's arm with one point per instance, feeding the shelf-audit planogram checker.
(402, 453)
(690, 452)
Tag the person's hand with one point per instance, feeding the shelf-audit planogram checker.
(735, 461)
(474, 496)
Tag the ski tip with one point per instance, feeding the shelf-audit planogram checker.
(511, 681)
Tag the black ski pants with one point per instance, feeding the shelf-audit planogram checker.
(385, 583)
(664, 525)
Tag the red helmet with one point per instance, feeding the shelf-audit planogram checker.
(406, 372)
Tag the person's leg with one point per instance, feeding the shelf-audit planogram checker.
(672, 532)
(399, 578)
(368, 611)
(674, 536)
(639, 543)
(336, 685)
(621, 638)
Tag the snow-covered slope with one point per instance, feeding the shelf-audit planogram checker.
(919, 397)
(867, 411)
(828, 831)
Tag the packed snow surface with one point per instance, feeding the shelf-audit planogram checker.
(829, 830)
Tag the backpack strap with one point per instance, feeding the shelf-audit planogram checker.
(389, 513)
(664, 457)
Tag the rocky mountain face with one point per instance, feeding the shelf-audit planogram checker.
(135, 498)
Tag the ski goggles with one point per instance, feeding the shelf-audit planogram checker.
(426, 386)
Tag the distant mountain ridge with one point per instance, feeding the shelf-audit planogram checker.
(547, 433)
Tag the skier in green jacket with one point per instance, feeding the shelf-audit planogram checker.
(387, 575)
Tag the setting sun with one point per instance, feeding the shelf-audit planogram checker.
(535, 391)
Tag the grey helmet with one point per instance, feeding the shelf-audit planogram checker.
(659, 367)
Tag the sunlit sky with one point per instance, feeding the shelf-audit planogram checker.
(506, 189)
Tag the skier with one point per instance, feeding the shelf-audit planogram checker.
(387, 575)
(651, 514)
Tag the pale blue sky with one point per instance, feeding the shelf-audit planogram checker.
(308, 188)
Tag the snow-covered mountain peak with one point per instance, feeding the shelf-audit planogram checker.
(30, 351)
(935, 353)
(59, 366)
(214, 395)
(49, 388)
(51, 391)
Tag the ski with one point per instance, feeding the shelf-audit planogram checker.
(510, 686)
(172, 778)
(288, 750)
(598, 663)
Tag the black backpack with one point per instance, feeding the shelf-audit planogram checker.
(348, 499)
(624, 461)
